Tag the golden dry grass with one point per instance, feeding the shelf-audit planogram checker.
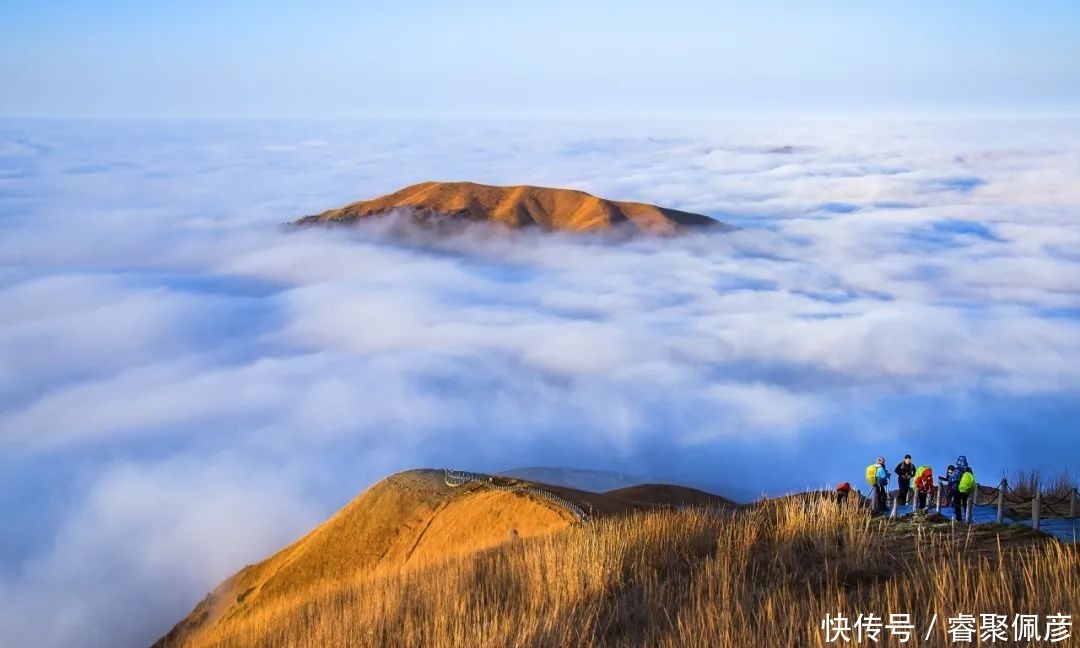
(765, 577)
(407, 519)
(1024, 484)
(519, 206)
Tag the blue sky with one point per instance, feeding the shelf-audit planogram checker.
(356, 59)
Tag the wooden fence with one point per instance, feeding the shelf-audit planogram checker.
(1043, 505)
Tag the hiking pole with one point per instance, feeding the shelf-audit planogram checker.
(971, 504)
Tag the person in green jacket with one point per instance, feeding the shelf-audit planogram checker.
(959, 498)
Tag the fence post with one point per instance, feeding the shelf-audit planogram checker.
(1001, 500)
(971, 504)
(1073, 504)
(938, 491)
(1035, 511)
(894, 502)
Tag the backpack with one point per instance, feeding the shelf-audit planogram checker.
(924, 478)
(967, 482)
(871, 474)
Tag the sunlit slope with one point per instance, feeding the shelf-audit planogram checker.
(410, 520)
(688, 577)
(517, 207)
(407, 518)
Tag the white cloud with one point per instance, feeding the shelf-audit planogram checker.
(145, 539)
(204, 385)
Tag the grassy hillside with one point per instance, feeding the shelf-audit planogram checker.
(404, 522)
(663, 577)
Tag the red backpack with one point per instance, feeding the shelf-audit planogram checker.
(924, 479)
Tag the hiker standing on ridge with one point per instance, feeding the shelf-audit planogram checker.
(945, 484)
(961, 485)
(924, 486)
(878, 478)
(904, 470)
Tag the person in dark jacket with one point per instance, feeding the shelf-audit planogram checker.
(944, 488)
(959, 500)
(904, 470)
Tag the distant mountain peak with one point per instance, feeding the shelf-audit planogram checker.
(517, 207)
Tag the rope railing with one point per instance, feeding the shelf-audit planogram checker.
(1061, 513)
(455, 478)
(1063, 506)
(1019, 499)
(1007, 500)
(1043, 506)
(1061, 500)
(991, 495)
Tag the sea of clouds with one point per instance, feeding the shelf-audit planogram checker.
(185, 386)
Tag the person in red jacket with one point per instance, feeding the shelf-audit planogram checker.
(843, 489)
(924, 487)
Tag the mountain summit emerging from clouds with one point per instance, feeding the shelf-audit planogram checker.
(517, 207)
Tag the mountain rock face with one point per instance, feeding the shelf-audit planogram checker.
(517, 207)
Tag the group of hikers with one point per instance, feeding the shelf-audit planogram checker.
(956, 486)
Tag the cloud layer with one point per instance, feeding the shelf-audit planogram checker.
(186, 387)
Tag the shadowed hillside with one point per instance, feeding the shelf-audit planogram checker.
(582, 479)
(516, 207)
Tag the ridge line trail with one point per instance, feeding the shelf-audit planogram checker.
(552, 500)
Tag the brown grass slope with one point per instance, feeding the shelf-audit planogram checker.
(765, 577)
(517, 207)
(407, 520)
